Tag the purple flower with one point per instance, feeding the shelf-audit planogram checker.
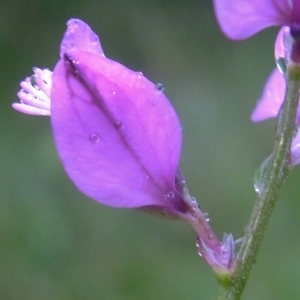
(240, 19)
(116, 133)
(117, 136)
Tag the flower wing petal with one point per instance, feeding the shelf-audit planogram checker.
(240, 19)
(269, 104)
(116, 133)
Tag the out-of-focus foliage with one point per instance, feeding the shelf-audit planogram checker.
(57, 244)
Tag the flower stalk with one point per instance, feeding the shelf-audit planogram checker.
(276, 171)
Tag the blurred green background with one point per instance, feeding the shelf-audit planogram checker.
(55, 243)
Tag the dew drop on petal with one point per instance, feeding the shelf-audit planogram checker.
(283, 48)
(139, 74)
(154, 102)
(76, 73)
(171, 194)
(72, 25)
(194, 200)
(94, 38)
(94, 138)
(160, 87)
(118, 124)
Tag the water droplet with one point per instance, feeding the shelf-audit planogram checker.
(71, 64)
(259, 175)
(94, 38)
(207, 216)
(171, 194)
(118, 124)
(113, 91)
(281, 64)
(210, 236)
(33, 80)
(76, 73)
(283, 48)
(139, 74)
(198, 245)
(72, 24)
(154, 102)
(160, 87)
(194, 202)
(239, 240)
(94, 138)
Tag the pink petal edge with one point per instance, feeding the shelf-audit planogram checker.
(269, 104)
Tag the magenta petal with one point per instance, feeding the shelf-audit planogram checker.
(116, 133)
(240, 19)
(79, 36)
(273, 95)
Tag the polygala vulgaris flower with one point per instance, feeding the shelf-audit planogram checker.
(117, 136)
(116, 133)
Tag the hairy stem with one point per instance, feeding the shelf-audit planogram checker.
(276, 171)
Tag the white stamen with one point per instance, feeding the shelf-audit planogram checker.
(35, 93)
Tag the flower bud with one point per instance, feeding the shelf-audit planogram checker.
(116, 133)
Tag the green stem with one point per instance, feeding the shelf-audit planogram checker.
(274, 175)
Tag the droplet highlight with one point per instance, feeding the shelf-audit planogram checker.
(118, 124)
(283, 47)
(207, 216)
(259, 175)
(198, 245)
(94, 138)
(139, 74)
(160, 87)
(171, 194)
